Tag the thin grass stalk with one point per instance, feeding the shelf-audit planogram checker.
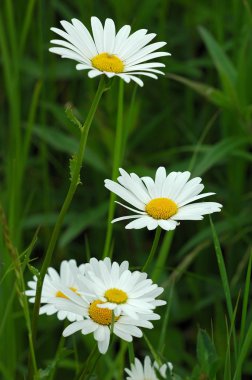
(89, 364)
(246, 347)
(131, 352)
(224, 279)
(71, 191)
(19, 283)
(116, 164)
(163, 256)
(161, 345)
(57, 356)
(152, 350)
(228, 366)
(153, 249)
(245, 301)
(26, 24)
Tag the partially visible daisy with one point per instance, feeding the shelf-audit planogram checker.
(51, 289)
(107, 52)
(119, 289)
(138, 371)
(161, 202)
(98, 320)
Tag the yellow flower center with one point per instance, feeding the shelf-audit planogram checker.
(62, 295)
(99, 315)
(161, 208)
(116, 295)
(108, 62)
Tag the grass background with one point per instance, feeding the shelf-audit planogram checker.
(197, 117)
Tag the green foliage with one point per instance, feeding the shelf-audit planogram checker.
(197, 116)
(208, 360)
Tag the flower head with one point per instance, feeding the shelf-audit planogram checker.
(119, 289)
(52, 289)
(107, 52)
(138, 371)
(161, 202)
(99, 321)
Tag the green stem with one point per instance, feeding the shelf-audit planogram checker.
(71, 191)
(116, 163)
(89, 365)
(131, 352)
(153, 249)
(163, 256)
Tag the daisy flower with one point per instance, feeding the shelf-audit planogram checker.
(107, 52)
(161, 202)
(119, 289)
(99, 320)
(51, 289)
(148, 371)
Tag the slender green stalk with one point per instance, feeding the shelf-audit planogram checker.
(152, 350)
(89, 364)
(57, 357)
(163, 255)
(224, 279)
(246, 347)
(118, 146)
(161, 345)
(245, 301)
(153, 249)
(131, 352)
(19, 284)
(71, 191)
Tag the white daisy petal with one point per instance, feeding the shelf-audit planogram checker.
(130, 43)
(138, 223)
(94, 73)
(146, 54)
(150, 75)
(71, 329)
(104, 344)
(81, 66)
(86, 38)
(121, 37)
(159, 179)
(137, 44)
(167, 225)
(98, 34)
(125, 218)
(190, 200)
(196, 210)
(131, 209)
(109, 36)
(139, 371)
(137, 80)
(125, 77)
(124, 194)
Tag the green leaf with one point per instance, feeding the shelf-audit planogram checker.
(206, 354)
(70, 115)
(224, 66)
(82, 221)
(212, 94)
(34, 270)
(216, 153)
(64, 143)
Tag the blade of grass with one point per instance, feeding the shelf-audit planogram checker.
(224, 279)
(245, 302)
